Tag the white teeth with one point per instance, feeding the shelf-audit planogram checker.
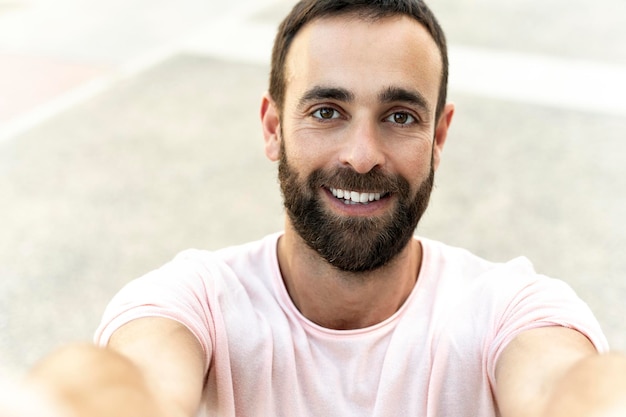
(354, 196)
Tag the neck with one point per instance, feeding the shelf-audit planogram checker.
(345, 300)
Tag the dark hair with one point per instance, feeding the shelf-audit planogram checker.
(307, 10)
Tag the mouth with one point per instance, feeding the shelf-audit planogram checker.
(350, 197)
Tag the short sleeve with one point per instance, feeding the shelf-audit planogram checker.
(176, 291)
(540, 302)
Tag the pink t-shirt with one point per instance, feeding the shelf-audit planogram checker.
(434, 357)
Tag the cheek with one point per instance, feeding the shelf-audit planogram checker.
(416, 160)
(300, 162)
(308, 152)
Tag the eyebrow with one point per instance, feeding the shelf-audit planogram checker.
(326, 93)
(398, 94)
(389, 95)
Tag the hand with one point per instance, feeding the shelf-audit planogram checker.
(22, 400)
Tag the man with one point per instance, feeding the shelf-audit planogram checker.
(346, 313)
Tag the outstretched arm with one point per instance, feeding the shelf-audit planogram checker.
(555, 371)
(153, 367)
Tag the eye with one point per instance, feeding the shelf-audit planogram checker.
(326, 113)
(401, 118)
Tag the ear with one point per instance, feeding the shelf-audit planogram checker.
(441, 133)
(270, 120)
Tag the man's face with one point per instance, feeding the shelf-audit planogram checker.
(356, 148)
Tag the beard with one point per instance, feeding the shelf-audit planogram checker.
(351, 243)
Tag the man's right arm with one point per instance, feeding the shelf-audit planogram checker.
(152, 367)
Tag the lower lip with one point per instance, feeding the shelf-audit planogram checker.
(358, 209)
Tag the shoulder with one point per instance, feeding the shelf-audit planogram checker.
(450, 263)
(508, 295)
(500, 300)
(194, 288)
(236, 259)
(196, 278)
(263, 250)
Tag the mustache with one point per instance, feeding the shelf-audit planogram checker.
(348, 179)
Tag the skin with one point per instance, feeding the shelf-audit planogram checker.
(360, 130)
(154, 366)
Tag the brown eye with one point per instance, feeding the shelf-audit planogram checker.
(401, 118)
(326, 113)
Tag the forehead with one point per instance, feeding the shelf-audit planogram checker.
(364, 56)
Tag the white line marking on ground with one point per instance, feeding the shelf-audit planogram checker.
(563, 83)
(238, 15)
(545, 80)
(80, 94)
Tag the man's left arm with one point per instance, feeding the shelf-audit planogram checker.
(555, 371)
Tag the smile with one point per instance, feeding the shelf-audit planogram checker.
(355, 197)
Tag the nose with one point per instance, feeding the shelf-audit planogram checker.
(363, 148)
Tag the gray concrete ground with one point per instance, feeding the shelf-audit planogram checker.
(166, 154)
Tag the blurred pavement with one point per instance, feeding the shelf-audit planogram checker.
(129, 131)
